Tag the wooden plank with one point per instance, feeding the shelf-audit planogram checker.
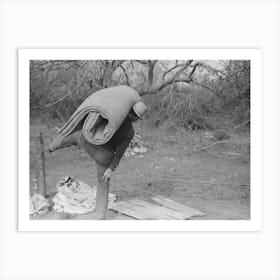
(171, 204)
(160, 213)
(144, 210)
(128, 209)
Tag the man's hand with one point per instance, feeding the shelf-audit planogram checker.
(107, 174)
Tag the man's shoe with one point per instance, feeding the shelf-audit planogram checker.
(55, 143)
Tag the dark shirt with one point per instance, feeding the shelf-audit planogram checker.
(119, 142)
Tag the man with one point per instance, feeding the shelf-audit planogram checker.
(106, 156)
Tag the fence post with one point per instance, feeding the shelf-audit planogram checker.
(41, 175)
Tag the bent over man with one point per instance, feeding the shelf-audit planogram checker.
(107, 156)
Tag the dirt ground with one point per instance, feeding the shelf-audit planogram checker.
(216, 186)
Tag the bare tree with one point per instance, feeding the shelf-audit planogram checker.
(61, 85)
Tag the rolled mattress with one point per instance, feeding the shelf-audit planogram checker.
(101, 114)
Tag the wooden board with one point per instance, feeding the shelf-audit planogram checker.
(174, 205)
(144, 210)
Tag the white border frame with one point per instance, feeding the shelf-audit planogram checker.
(254, 224)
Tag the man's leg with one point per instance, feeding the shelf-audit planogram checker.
(102, 159)
(102, 194)
(59, 142)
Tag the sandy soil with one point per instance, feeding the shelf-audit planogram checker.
(218, 187)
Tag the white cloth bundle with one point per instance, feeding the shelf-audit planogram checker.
(76, 197)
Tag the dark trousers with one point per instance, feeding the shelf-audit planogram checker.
(103, 158)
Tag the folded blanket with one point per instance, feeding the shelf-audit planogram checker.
(101, 114)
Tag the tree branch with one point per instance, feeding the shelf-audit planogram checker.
(180, 81)
(151, 64)
(177, 75)
(206, 87)
(205, 148)
(125, 74)
(70, 93)
(143, 62)
(171, 69)
(170, 80)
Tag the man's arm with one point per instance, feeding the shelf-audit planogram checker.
(121, 149)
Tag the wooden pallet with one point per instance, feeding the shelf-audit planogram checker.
(143, 210)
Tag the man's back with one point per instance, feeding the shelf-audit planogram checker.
(124, 132)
